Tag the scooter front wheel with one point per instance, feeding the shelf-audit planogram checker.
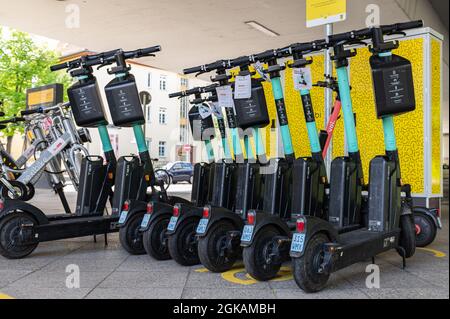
(212, 249)
(183, 243)
(257, 257)
(11, 246)
(306, 268)
(130, 236)
(155, 239)
(426, 229)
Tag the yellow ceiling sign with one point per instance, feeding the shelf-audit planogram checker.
(320, 12)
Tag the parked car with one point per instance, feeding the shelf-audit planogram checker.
(178, 172)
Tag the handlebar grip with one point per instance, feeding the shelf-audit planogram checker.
(177, 94)
(194, 69)
(402, 26)
(31, 111)
(58, 67)
(335, 38)
(150, 50)
(240, 61)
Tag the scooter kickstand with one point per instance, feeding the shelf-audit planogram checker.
(403, 254)
(106, 239)
(95, 238)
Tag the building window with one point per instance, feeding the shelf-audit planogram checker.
(148, 114)
(149, 80)
(183, 134)
(184, 105)
(163, 83)
(162, 116)
(162, 149)
(184, 82)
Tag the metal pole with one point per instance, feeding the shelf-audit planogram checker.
(328, 96)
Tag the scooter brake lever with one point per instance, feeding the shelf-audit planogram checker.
(103, 65)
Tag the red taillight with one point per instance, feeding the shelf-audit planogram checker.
(126, 206)
(149, 208)
(301, 225)
(206, 212)
(2, 204)
(438, 212)
(251, 217)
(176, 211)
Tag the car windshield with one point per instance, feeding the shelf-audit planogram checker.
(169, 165)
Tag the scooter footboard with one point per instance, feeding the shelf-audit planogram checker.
(129, 174)
(358, 246)
(345, 193)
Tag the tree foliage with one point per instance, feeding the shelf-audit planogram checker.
(23, 65)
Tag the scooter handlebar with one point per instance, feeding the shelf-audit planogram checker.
(206, 67)
(31, 111)
(366, 33)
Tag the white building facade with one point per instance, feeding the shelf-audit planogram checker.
(167, 130)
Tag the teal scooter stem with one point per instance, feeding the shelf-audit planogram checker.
(282, 115)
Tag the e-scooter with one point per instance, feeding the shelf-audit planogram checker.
(159, 215)
(321, 247)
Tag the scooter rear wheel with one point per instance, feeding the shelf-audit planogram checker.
(155, 239)
(407, 236)
(183, 245)
(130, 236)
(305, 268)
(425, 229)
(10, 246)
(255, 256)
(213, 244)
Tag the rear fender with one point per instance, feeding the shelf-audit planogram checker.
(186, 212)
(159, 209)
(264, 219)
(135, 207)
(313, 227)
(430, 212)
(11, 206)
(217, 214)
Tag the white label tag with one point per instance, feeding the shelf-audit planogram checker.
(260, 69)
(204, 111)
(243, 87)
(57, 146)
(302, 78)
(225, 96)
(216, 110)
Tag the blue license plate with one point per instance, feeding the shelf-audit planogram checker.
(172, 223)
(145, 220)
(123, 217)
(247, 233)
(201, 228)
(298, 243)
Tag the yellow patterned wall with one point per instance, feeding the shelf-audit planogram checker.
(436, 116)
(408, 127)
